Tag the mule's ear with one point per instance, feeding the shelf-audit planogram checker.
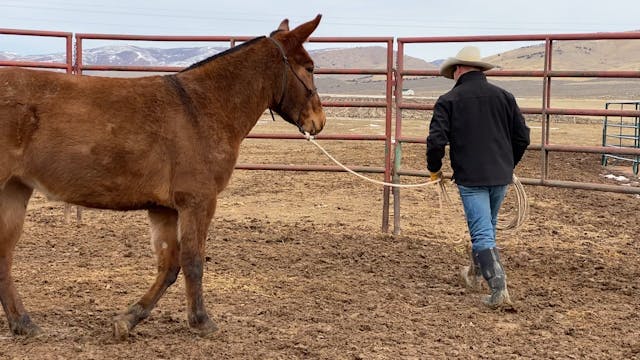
(303, 31)
(284, 25)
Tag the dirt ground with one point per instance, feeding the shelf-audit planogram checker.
(297, 268)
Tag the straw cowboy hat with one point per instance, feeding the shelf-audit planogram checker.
(469, 56)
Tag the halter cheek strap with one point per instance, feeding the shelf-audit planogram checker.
(287, 66)
(285, 60)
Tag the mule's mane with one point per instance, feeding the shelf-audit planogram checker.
(226, 52)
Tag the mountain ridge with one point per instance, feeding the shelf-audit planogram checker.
(120, 55)
(587, 54)
(609, 55)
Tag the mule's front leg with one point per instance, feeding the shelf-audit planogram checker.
(13, 204)
(19, 321)
(193, 226)
(164, 240)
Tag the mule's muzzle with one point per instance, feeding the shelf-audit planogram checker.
(314, 125)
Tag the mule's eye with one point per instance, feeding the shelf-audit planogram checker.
(310, 69)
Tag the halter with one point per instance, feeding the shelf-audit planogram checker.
(287, 66)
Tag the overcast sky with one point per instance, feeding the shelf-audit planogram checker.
(395, 18)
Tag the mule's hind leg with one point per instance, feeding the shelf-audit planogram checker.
(194, 224)
(164, 241)
(13, 205)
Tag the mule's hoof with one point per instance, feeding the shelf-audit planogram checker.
(205, 329)
(29, 330)
(121, 329)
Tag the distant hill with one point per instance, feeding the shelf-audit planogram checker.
(593, 55)
(372, 57)
(567, 55)
(574, 55)
(369, 57)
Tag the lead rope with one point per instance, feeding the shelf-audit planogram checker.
(522, 205)
(314, 142)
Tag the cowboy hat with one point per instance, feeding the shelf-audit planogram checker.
(469, 56)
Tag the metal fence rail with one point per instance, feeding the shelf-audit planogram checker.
(67, 65)
(627, 134)
(544, 146)
(393, 137)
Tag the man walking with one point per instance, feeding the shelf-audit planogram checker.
(487, 137)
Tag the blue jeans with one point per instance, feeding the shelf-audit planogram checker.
(481, 205)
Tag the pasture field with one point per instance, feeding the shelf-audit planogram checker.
(297, 267)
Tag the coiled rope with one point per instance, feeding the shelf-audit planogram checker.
(522, 208)
(522, 204)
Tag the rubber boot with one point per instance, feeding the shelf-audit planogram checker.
(471, 276)
(493, 273)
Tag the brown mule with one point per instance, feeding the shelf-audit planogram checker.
(167, 144)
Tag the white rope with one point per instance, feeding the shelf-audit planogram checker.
(313, 141)
(522, 204)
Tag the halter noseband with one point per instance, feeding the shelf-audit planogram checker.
(287, 66)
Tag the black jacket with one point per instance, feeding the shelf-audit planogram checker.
(485, 130)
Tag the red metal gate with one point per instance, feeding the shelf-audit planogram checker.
(391, 139)
(546, 74)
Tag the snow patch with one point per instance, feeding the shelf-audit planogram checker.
(616, 178)
(129, 55)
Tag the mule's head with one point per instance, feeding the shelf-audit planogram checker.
(298, 101)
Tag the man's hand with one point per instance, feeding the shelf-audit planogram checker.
(435, 176)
